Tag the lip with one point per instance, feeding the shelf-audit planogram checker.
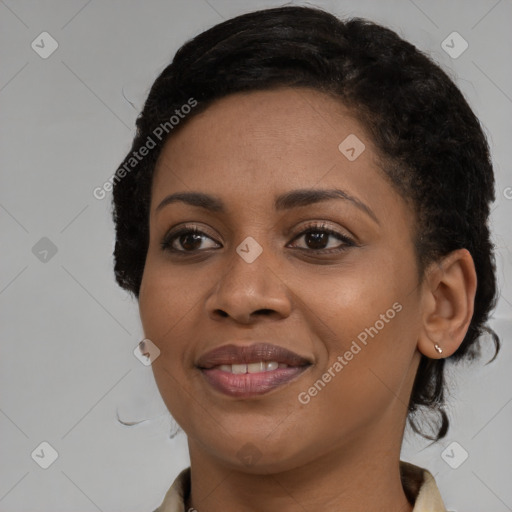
(236, 354)
(250, 384)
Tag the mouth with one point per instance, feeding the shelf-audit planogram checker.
(245, 371)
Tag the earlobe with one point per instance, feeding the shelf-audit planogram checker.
(449, 290)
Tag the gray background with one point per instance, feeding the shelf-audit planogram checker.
(68, 332)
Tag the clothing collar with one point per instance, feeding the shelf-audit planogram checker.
(418, 483)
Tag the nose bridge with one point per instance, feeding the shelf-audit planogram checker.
(248, 283)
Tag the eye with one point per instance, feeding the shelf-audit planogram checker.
(190, 239)
(316, 238)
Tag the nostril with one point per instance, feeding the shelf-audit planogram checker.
(264, 311)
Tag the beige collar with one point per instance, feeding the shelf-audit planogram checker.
(419, 486)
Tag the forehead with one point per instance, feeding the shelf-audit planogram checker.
(264, 143)
(279, 118)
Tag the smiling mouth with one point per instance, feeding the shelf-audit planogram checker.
(245, 371)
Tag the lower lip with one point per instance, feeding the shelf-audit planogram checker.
(244, 385)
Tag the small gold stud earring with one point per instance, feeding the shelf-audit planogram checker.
(438, 348)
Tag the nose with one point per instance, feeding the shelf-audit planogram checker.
(246, 291)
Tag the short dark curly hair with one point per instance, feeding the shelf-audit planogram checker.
(432, 147)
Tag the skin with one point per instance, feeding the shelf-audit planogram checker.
(340, 451)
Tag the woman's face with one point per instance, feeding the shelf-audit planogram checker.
(280, 259)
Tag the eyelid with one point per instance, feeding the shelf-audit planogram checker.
(188, 226)
(322, 225)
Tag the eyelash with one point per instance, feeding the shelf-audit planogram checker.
(166, 244)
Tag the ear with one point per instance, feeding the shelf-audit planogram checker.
(448, 292)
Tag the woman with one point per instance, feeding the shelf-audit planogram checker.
(304, 224)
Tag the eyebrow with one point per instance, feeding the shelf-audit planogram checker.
(292, 199)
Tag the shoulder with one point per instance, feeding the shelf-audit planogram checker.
(420, 488)
(174, 500)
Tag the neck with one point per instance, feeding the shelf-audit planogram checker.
(343, 480)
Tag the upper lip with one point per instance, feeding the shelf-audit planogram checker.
(236, 354)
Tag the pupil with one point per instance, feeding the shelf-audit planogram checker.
(318, 238)
(189, 237)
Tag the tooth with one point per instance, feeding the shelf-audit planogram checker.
(260, 366)
(239, 368)
(256, 367)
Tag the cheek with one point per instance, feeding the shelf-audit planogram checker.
(153, 304)
(365, 379)
(368, 322)
(166, 316)
(164, 300)
(344, 303)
